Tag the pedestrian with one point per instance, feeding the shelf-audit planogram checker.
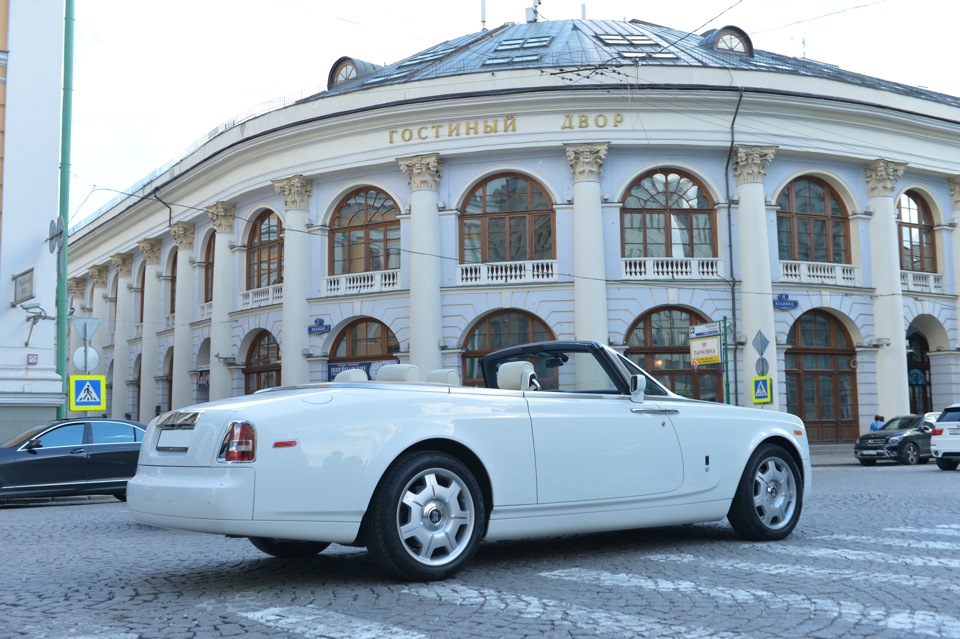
(877, 422)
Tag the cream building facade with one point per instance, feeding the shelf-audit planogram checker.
(602, 180)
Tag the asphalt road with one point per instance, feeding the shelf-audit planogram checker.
(876, 554)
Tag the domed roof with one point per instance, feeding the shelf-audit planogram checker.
(598, 48)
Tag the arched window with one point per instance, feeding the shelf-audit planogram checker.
(668, 213)
(917, 251)
(365, 339)
(173, 282)
(365, 233)
(821, 380)
(208, 268)
(507, 218)
(496, 331)
(265, 252)
(262, 366)
(659, 342)
(812, 223)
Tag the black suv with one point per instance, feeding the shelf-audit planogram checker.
(904, 439)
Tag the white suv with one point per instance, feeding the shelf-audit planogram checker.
(945, 438)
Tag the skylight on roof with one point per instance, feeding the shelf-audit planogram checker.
(620, 39)
(513, 60)
(524, 43)
(426, 57)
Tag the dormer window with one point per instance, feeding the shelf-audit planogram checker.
(345, 71)
(731, 42)
(728, 40)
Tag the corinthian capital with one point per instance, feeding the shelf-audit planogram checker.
(955, 191)
(586, 159)
(882, 177)
(183, 234)
(222, 214)
(123, 263)
(295, 191)
(750, 162)
(423, 172)
(151, 250)
(98, 274)
(76, 286)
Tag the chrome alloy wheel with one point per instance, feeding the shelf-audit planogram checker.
(774, 493)
(435, 518)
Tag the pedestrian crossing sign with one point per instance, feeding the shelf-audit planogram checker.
(88, 392)
(761, 390)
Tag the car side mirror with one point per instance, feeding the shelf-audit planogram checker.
(638, 385)
(33, 444)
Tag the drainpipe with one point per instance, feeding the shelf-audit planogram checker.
(733, 280)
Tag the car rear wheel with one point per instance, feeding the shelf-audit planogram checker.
(426, 517)
(947, 464)
(910, 454)
(288, 548)
(867, 462)
(769, 498)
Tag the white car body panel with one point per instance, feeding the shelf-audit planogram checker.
(947, 444)
(555, 462)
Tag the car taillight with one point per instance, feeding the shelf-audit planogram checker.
(239, 443)
(937, 430)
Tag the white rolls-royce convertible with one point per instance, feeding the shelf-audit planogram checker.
(566, 437)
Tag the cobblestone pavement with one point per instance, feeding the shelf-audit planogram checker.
(876, 554)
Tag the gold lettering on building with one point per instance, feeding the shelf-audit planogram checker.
(507, 124)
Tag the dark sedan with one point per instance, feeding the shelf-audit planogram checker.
(904, 439)
(82, 456)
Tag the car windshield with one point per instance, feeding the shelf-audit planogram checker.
(904, 422)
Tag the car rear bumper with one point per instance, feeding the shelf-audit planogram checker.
(185, 494)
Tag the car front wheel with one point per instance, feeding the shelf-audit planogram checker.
(946, 464)
(426, 517)
(910, 454)
(288, 548)
(769, 497)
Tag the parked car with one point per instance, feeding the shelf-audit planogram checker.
(82, 456)
(945, 438)
(566, 437)
(904, 439)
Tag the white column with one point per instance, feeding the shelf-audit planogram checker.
(756, 290)
(101, 337)
(590, 279)
(152, 322)
(954, 219)
(123, 331)
(426, 307)
(294, 368)
(76, 287)
(181, 394)
(888, 319)
(223, 215)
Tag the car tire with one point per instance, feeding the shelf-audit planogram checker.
(867, 462)
(769, 497)
(910, 454)
(946, 464)
(288, 548)
(121, 496)
(426, 517)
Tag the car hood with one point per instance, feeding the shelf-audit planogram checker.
(883, 434)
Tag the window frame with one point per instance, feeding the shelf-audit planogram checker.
(793, 216)
(257, 248)
(389, 254)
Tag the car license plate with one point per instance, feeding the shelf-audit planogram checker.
(174, 439)
(954, 431)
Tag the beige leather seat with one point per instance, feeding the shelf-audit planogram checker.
(351, 375)
(517, 376)
(398, 373)
(443, 376)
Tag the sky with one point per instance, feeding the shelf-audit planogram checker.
(150, 79)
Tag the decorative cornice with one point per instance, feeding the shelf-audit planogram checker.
(750, 162)
(123, 263)
(882, 177)
(183, 234)
(586, 159)
(222, 214)
(295, 191)
(954, 183)
(423, 171)
(98, 274)
(151, 250)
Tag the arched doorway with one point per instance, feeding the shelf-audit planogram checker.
(821, 380)
(500, 330)
(365, 344)
(918, 374)
(659, 342)
(262, 366)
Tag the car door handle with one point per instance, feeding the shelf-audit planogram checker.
(77, 451)
(655, 411)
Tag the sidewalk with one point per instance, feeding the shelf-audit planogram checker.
(832, 455)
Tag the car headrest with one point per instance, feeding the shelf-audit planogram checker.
(398, 373)
(443, 376)
(515, 376)
(351, 375)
